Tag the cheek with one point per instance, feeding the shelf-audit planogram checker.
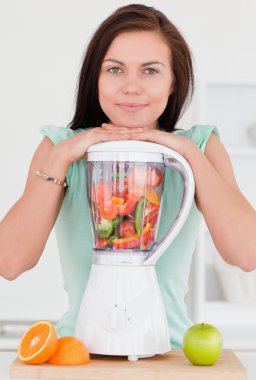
(106, 91)
(160, 96)
(158, 89)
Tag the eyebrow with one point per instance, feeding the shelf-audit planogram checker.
(143, 64)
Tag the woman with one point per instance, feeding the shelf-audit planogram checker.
(135, 81)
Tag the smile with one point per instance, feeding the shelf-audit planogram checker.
(131, 107)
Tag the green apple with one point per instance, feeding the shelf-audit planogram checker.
(202, 344)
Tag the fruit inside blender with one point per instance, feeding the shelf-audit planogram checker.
(125, 205)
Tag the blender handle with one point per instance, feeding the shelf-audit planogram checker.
(178, 162)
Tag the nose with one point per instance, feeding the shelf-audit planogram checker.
(132, 85)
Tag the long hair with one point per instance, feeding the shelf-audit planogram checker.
(133, 17)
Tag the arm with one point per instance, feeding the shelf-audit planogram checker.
(26, 227)
(229, 216)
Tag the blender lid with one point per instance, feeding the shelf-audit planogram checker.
(125, 150)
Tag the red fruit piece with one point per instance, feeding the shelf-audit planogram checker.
(108, 210)
(127, 229)
(126, 208)
(156, 177)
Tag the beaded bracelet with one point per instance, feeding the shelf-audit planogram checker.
(52, 179)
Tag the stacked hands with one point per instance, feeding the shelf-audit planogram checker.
(172, 141)
(76, 146)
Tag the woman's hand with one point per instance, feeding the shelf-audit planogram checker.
(180, 144)
(75, 147)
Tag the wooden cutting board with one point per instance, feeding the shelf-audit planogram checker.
(172, 366)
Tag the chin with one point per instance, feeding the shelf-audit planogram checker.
(130, 123)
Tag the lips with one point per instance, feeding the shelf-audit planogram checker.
(131, 107)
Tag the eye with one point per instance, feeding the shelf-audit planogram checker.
(151, 71)
(114, 70)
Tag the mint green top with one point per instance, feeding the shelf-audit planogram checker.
(74, 239)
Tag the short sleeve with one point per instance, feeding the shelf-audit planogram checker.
(56, 134)
(199, 134)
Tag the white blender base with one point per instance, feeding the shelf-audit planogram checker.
(133, 358)
(122, 313)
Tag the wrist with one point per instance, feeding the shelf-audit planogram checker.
(56, 165)
(191, 151)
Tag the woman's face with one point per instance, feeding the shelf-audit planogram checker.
(136, 79)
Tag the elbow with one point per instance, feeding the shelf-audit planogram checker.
(248, 252)
(248, 267)
(8, 271)
(8, 274)
(244, 266)
(248, 264)
(11, 270)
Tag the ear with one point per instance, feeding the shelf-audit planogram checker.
(172, 89)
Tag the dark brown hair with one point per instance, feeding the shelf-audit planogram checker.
(133, 17)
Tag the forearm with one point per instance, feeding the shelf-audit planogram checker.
(26, 227)
(230, 218)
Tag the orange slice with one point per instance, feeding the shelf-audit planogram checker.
(146, 228)
(70, 351)
(118, 200)
(152, 196)
(38, 344)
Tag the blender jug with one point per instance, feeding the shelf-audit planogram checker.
(125, 207)
(122, 311)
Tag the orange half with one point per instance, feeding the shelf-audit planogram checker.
(70, 351)
(38, 344)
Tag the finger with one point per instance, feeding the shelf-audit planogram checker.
(108, 130)
(115, 129)
(118, 136)
(108, 126)
(112, 126)
(149, 136)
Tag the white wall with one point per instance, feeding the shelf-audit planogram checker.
(41, 48)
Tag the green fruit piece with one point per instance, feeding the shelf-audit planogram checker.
(116, 222)
(138, 214)
(105, 228)
(110, 241)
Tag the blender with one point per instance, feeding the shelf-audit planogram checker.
(122, 311)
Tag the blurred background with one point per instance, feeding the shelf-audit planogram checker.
(42, 46)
